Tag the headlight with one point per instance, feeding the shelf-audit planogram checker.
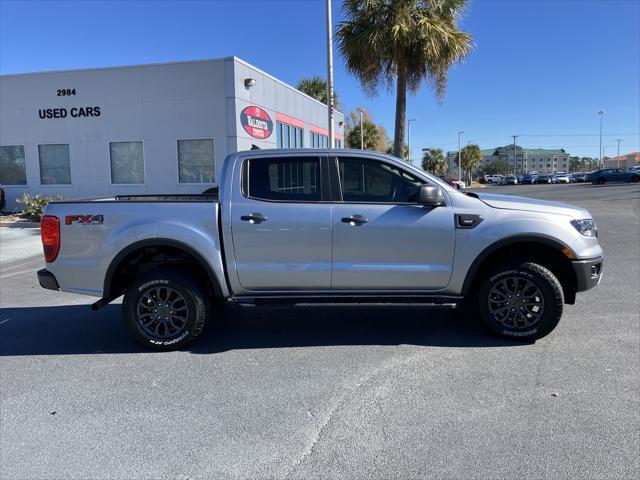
(586, 227)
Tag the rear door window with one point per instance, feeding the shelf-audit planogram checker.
(287, 179)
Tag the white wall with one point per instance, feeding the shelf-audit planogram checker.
(157, 104)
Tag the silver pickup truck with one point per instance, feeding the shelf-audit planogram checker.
(321, 227)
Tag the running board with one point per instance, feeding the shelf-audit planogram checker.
(446, 303)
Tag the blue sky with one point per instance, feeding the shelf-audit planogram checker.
(541, 68)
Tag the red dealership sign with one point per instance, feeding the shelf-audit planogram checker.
(256, 122)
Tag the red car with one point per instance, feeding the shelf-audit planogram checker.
(454, 182)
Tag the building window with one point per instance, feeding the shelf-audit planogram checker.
(338, 143)
(318, 140)
(55, 166)
(127, 162)
(12, 165)
(288, 136)
(284, 179)
(195, 161)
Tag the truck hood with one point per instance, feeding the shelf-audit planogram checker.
(512, 202)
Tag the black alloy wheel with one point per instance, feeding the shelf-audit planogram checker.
(166, 309)
(520, 300)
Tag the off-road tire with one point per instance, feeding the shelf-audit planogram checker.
(542, 279)
(195, 299)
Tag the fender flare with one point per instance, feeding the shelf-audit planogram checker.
(504, 242)
(158, 242)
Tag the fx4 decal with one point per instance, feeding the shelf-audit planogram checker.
(84, 219)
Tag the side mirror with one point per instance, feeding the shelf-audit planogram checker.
(430, 195)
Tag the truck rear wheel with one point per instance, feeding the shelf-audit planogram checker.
(521, 300)
(165, 309)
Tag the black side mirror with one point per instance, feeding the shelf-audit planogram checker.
(430, 195)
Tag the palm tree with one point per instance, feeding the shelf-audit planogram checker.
(471, 157)
(405, 40)
(316, 87)
(433, 161)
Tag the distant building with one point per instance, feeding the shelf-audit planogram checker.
(524, 160)
(623, 161)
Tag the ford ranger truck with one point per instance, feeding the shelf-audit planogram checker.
(316, 226)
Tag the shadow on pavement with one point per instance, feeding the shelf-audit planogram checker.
(75, 329)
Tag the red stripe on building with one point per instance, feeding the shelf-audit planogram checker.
(282, 118)
(319, 130)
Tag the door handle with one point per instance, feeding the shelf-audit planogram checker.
(254, 218)
(354, 220)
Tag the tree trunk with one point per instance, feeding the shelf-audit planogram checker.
(401, 108)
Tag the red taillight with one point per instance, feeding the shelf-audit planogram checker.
(50, 232)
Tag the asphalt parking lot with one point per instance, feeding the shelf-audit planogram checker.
(320, 393)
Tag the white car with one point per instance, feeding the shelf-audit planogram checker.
(496, 179)
(560, 177)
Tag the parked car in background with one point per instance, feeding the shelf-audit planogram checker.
(543, 179)
(509, 180)
(529, 178)
(635, 169)
(290, 227)
(613, 175)
(577, 177)
(455, 183)
(493, 179)
(481, 180)
(559, 177)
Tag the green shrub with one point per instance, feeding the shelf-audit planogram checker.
(34, 204)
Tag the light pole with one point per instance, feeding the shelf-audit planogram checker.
(600, 164)
(409, 138)
(619, 140)
(515, 155)
(459, 157)
(361, 130)
(330, 76)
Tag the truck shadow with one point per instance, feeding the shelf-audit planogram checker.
(75, 329)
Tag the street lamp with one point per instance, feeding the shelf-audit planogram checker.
(361, 110)
(515, 154)
(619, 140)
(409, 138)
(331, 142)
(459, 157)
(601, 113)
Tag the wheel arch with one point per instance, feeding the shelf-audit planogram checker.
(110, 288)
(542, 249)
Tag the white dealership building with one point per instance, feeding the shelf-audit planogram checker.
(162, 128)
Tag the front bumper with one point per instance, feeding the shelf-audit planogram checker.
(47, 280)
(588, 273)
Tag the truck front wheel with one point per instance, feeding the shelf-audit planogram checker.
(165, 309)
(520, 300)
